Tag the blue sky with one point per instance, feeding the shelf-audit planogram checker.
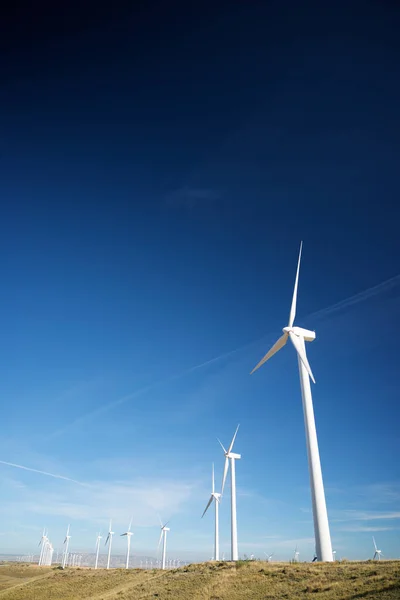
(153, 199)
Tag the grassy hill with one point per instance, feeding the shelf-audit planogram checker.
(207, 581)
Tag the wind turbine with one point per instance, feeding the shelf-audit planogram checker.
(128, 534)
(216, 497)
(298, 337)
(269, 556)
(99, 537)
(296, 555)
(42, 543)
(229, 455)
(109, 538)
(378, 553)
(163, 536)
(66, 541)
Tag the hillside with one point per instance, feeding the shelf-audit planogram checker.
(207, 581)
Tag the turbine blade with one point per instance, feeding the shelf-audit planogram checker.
(221, 445)
(159, 541)
(277, 346)
(122, 534)
(233, 440)
(373, 539)
(108, 537)
(301, 352)
(207, 507)
(159, 518)
(294, 299)
(226, 467)
(213, 481)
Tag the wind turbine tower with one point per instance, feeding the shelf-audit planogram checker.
(163, 537)
(66, 542)
(109, 538)
(128, 534)
(215, 496)
(99, 537)
(231, 457)
(42, 543)
(298, 336)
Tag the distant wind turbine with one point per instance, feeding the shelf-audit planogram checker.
(269, 556)
(109, 539)
(128, 534)
(66, 542)
(42, 542)
(163, 537)
(216, 497)
(296, 555)
(298, 337)
(229, 455)
(378, 553)
(99, 537)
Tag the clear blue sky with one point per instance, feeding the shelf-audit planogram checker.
(158, 171)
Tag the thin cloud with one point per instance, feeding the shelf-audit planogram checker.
(365, 529)
(358, 515)
(104, 500)
(322, 313)
(191, 197)
(3, 462)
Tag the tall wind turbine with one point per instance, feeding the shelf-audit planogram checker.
(97, 549)
(298, 337)
(163, 537)
(216, 497)
(128, 534)
(66, 542)
(231, 456)
(296, 555)
(42, 543)
(378, 553)
(109, 538)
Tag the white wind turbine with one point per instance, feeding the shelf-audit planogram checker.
(42, 543)
(128, 534)
(109, 538)
(229, 455)
(296, 555)
(66, 542)
(298, 337)
(378, 553)
(163, 536)
(216, 497)
(269, 556)
(99, 537)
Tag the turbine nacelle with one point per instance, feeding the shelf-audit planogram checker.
(233, 455)
(309, 336)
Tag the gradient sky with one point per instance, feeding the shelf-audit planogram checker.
(158, 171)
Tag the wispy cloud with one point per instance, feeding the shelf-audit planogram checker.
(358, 515)
(191, 197)
(365, 529)
(322, 313)
(9, 464)
(103, 500)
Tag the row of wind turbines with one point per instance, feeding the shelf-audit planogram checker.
(128, 534)
(298, 336)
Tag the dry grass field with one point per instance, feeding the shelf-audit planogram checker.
(207, 581)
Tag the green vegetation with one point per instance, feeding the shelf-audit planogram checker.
(245, 580)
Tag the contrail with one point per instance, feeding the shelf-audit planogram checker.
(321, 313)
(3, 462)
